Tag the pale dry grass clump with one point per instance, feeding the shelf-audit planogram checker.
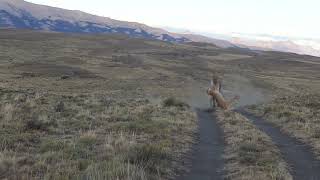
(250, 153)
(297, 115)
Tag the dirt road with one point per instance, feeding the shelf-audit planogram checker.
(206, 158)
(303, 163)
(207, 154)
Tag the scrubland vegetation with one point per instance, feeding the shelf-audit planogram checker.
(47, 136)
(100, 106)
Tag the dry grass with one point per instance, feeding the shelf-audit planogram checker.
(78, 105)
(47, 136)
(297, 115)
(250, 153)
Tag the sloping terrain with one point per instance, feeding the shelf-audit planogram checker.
(299, 46)
(24, 15)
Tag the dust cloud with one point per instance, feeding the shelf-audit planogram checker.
(232, 85)
(198, 97)
(249, 92)
(194, 93)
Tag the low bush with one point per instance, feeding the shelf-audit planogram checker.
(171, 101)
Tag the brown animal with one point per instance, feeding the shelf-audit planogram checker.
(217, 96)
(215, 83)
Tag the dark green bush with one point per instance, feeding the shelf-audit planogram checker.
(171, 101)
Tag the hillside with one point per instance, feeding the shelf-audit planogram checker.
(25, 15)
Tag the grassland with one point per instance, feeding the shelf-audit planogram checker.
(85, 107)
(99, 106)
(45, 136)
(294, 102)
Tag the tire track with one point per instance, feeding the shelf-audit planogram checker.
(207, 153)
(303, 163)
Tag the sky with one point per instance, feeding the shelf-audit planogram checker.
(289, 18)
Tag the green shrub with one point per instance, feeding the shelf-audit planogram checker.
(36, 124)
(171, 101)
(316, 134)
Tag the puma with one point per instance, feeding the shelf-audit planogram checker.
(216, 96)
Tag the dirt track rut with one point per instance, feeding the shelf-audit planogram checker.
(207, 153)
(303, 163)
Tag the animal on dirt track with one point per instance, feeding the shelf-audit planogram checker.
(217, 83)
(217, 98)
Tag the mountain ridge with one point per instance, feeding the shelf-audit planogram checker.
(22, 14)
(281, 45)
(26, 15)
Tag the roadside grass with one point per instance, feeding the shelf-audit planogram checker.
(296, 114)
(249, 153)
(81, 136)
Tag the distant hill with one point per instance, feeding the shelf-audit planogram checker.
(22, 14)
(283, 45)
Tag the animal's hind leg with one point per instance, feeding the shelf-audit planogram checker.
(212, 102)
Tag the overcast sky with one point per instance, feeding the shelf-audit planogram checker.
(295, 18)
